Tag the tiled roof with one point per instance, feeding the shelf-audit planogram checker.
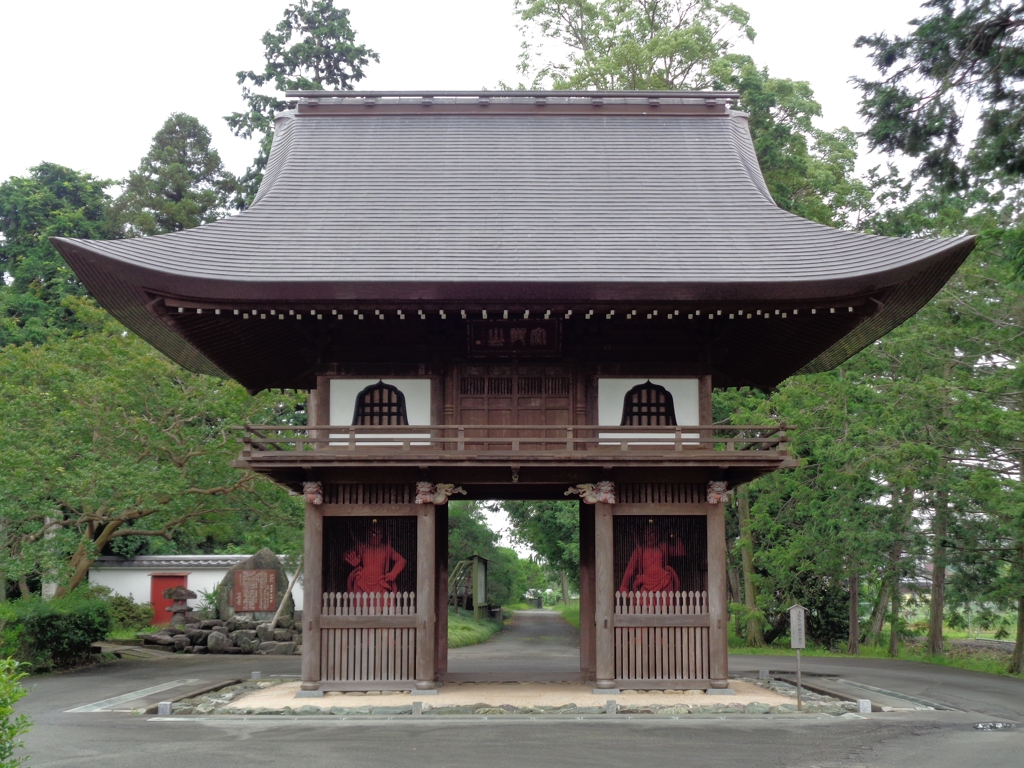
(529, 203)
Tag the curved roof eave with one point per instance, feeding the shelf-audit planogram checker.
(513, 207)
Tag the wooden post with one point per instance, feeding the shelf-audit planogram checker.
(312, 597)
(587, 592)
(604, 551)
(718, 606)
(426, 608)
(441, 590)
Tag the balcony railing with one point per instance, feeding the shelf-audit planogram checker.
(353, 441)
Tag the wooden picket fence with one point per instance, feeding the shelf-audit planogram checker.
(662, 636)
(370, 653)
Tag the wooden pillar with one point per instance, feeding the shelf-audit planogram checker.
(441, 591)
(587, 591)
(604, 584)
(717, 599)
(312, 597)
(426, 606)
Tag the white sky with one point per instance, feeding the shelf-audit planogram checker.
(98, 78)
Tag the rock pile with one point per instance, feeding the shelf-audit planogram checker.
(235, 635)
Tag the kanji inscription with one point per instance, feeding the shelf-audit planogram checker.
(254, 591)
(513, 338)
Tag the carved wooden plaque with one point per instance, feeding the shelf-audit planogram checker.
(254, 591)
(514, 338)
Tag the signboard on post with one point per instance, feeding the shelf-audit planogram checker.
(798, 640)
(797, 627)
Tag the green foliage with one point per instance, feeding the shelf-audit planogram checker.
(570, 612)
(688, 45)
(12, 726)
(126, 614)
(963, 56)
(508, 575)
(313, 47)
(465, 630)
(52, 201)
(101, 437)
(551, 529)
(53, 634)
(180, 183)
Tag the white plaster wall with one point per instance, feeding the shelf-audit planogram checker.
(343, 394)
(612, 391)
(135, 582)
(344, 391)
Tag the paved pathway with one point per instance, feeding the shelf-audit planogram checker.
(538, 645)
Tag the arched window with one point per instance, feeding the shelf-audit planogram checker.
(380, 404)
(648, 405)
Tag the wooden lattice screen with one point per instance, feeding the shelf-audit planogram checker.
(380, 404)
(648, 405)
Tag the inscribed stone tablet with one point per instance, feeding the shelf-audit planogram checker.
(254, 591)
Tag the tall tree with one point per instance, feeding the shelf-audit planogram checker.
(552, 530)
(313, 48)
(686, 45)
(962, 57)
(52, 201)
(180, 183)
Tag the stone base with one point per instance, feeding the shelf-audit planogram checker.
(424, 692)
(309, 694)
(720, 692)
(602, 691)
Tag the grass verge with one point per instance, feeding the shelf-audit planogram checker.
(975, 660)
(464, 630)
(570, 612)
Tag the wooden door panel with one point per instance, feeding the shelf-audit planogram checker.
(521, 394)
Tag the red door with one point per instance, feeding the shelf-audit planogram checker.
(158, 583)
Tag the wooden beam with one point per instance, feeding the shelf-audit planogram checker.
(312, 597)
(717, 599)
(587, 648)
(660, 509)
(375, 510)
(604, 554)
(425, 601)
(366, 622)
(661, 620)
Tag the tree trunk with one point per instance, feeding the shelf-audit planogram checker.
(755, 632)
(853, 639)
(894, 636)
(735, 594)
(25, 591)
(1017, 659)
(878, 614)
(937, 605)
(565, 588)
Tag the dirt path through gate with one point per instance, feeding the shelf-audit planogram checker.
(536, 646)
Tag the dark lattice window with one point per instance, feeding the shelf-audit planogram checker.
(648, 405)
(380, 404)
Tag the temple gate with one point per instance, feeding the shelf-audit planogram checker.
(503, 295)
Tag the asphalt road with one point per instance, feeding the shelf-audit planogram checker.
(122, 740)
(540, 642)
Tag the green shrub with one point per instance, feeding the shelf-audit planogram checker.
(52, 634)
(11, 726)
(126, 614)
